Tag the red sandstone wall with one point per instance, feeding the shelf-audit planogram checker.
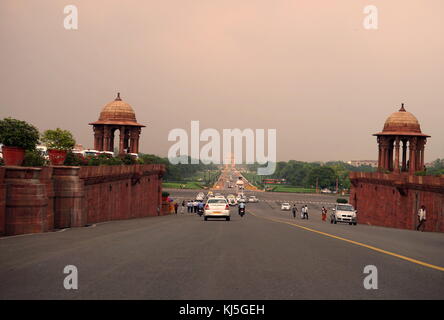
(2, 201)
(393, 200)
(121, 192)
(40, 199)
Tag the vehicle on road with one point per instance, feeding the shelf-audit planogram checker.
(200, 196)
(253, 199)
(344, 213)
(217, 208)
(231, 200)
(285, 206)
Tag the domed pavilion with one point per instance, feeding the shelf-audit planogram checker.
(117, 115)
(401, 127)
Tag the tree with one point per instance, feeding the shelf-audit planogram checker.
(325, 176)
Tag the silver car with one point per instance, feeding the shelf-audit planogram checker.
(344, 213)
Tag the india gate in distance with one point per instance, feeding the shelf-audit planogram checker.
(117, 115)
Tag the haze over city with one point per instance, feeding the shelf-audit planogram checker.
(306, 68)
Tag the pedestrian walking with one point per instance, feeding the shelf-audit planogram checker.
(195, 205)
(176, 206)
(189, 206)
(306, 212)
(294, 210)
(421, 218)
(324, 214)
(302, 212)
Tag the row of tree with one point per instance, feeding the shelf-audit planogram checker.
(181, 171)
(436, 167)
(308, 174)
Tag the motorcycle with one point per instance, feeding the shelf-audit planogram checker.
(241, 211)
(200, 211)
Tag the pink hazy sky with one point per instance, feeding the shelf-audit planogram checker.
(306, 68)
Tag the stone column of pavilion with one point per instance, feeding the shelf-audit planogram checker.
(117, 115)
(401, 129)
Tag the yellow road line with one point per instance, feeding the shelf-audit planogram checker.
(425, 264)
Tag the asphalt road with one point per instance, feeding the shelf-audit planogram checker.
(264, 255)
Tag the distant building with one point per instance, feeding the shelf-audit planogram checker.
(358, 163)
(78, 147)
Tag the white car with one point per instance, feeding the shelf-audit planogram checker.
(217, 208)
(231, 200)
(344, 213)
(285, 206)
(253, 199)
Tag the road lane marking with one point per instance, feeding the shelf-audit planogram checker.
(425, 264)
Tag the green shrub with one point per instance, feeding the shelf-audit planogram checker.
(104, 160)
(127, 159)
(340, 200)
(17, 133)
(112, 162)
(58, 139)
(34, 158)
(165, 194)
(75, 160)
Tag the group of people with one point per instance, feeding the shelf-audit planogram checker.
(192, 206)
(304, 212)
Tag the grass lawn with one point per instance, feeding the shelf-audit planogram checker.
(183, 185)
(284, 188)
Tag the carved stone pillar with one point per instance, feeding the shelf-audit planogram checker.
(98, 137)
(133, 140)
(106, 138)
(424, 141)
(385, 153)
(122, 140)
(404, 155)
(111, 142)
(397, 143)
(390, 156)
(126, 140)
(413, 155)
(379, 154)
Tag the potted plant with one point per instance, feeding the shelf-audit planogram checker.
(16, 137)
(165, 196)
(58, 142)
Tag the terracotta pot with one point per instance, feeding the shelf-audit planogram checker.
(13, 156)
(57, 157)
